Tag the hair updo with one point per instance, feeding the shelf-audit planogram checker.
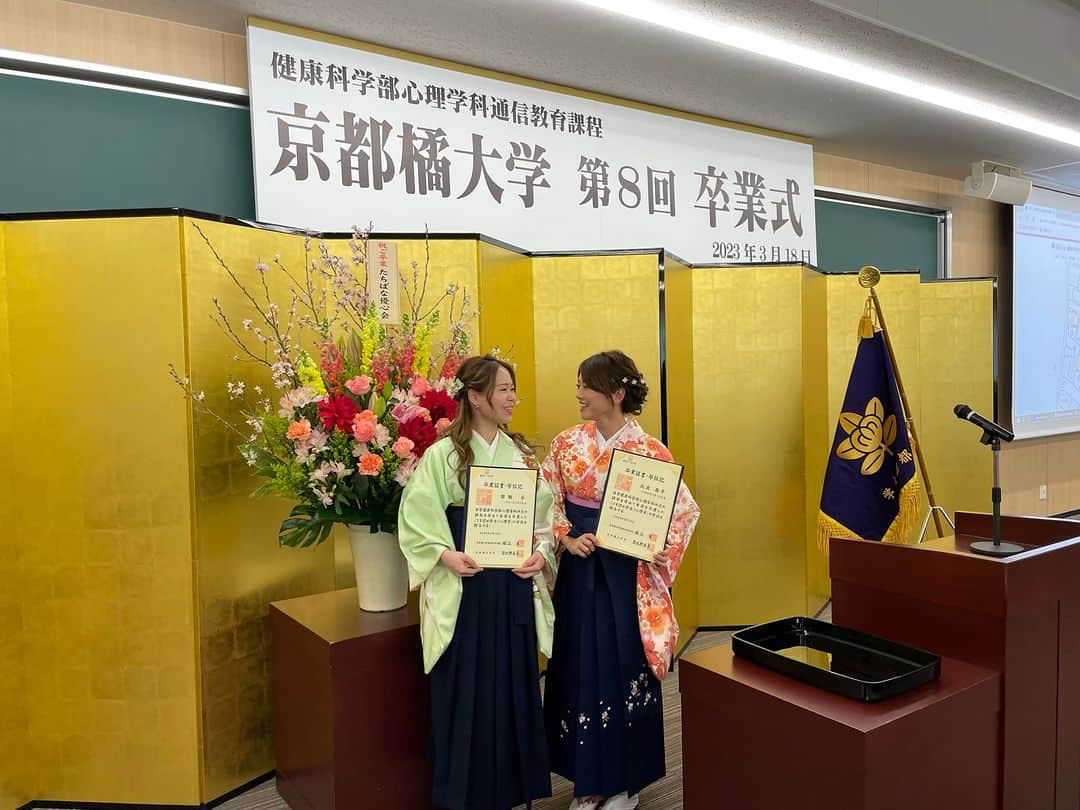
(607, 372)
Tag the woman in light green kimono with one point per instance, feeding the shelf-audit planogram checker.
(481, 629)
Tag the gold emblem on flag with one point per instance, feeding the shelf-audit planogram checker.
(869, 436)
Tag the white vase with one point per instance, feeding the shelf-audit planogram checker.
(382, 578)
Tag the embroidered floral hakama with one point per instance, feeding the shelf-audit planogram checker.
(602, 710)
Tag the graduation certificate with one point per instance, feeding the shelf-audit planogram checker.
(638, 503)
(500, 508)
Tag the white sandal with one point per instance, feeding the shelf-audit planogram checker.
(620, 801)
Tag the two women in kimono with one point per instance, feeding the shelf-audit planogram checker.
(614, 623)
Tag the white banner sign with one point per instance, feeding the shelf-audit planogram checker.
(384, 280)
(343, 137)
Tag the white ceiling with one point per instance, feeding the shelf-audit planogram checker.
(571, 44)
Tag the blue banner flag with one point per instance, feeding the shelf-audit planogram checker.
(871, 490)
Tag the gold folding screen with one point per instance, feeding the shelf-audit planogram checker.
(956, 357)
(239, 568)
(772, 352)
(16, 775)
(586, 304)
(507, 322)
(748, 388)
(134, 644)
(101, 520)
(681, 423)
(139, 570)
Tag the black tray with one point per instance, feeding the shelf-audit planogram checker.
(848, 662)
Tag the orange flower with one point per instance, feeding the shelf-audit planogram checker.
(587, 486)
(578, 467)
(370, 464)
(657, 620)
(603, 462)
(299, 430)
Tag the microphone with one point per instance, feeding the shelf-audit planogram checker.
(964, 412)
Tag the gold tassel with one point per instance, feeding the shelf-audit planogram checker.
(830, 527)
(897, 532)
(866, 322)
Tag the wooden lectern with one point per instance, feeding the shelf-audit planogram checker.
(1018, 615)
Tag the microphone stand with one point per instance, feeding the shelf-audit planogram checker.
(995, 548)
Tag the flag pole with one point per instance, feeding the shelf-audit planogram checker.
(869, 276)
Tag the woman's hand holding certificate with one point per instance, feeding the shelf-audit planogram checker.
(460, 563)
(534, 565)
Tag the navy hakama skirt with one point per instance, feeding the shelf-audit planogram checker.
(487, 735)
(602, 704)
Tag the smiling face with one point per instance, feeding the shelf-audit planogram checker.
(596, 405)
(498, 405)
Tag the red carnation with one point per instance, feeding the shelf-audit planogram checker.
(338, 412)
(439, 404)
(421, 431)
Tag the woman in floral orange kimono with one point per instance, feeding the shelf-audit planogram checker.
(615, 626)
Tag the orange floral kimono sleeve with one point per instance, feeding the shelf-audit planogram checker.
(656, 611)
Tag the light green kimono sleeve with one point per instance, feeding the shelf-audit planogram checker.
(544, 582)
(423, 531)
(424, 534)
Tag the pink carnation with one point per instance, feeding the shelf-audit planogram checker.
(442, 426)
(403, 447)
(419, 385)
(359, 385)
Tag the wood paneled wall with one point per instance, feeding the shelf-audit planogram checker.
(980, 248)
(980, 245)
(106, 37)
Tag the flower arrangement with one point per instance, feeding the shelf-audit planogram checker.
(359, 401)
